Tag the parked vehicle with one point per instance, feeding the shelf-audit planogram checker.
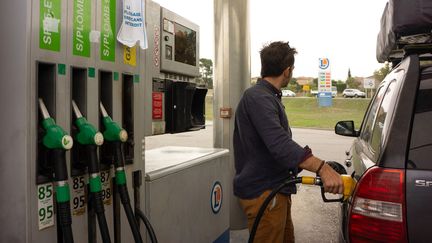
(353, 93)
(391, 160)
(391, 155)
(288, 93)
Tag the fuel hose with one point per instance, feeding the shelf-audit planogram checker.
(62, 194)
(287, 182)
(120, 181)
(115, 136)
(90, 139)
(349, 186)
(147, 224)
(96, 191)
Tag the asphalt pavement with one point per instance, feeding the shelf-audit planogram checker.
(314, 220)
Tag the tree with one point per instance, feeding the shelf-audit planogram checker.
(314, 85)
(334, 82)
(294, 86)
(340, 86)
(206, 72)
(381, 73)
(351, 83)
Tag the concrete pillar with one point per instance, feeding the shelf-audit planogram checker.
(232, 77)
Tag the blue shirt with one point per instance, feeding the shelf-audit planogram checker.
(264, 151)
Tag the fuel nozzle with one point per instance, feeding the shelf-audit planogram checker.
(113, 132)
(55, 137)
(58, 141)
(348, 181)
(116, 135)
(90, 138)
(88, 135)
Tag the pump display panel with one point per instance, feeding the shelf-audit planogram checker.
(179, 45)
(185, 45)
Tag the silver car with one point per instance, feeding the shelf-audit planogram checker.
(353, 93)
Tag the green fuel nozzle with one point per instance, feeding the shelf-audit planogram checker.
(90, 138)
(113, 132)
(58, 141)
(55, 137)
(88, 135)
(116, 135)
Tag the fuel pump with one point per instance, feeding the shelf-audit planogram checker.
(348, 181)
(115, 135)
(57, 141)
(90, 139)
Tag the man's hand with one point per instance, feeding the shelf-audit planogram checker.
(332, 181)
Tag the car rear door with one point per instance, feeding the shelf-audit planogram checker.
(360, 155)
(419, 164)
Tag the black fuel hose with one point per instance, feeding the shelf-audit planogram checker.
(58, 157)
(100, 213)
(147, 224)
(267, 201)
(96, 191)
(120, 181)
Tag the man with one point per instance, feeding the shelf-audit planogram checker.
(265, 153)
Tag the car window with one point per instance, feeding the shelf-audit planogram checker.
(366, 133)
(420, 153)
(380, 120)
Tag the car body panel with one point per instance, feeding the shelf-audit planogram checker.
(419, 166)
(418, 204)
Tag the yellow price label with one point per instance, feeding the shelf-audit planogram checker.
(129, 55)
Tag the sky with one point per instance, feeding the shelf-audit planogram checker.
(345, 31)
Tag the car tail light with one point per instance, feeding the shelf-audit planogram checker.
(378, 209)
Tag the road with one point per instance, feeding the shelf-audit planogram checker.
(314, 220)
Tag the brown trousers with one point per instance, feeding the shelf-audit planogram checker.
(276, 224)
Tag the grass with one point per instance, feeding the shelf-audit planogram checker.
(305, 112)
(209, 108)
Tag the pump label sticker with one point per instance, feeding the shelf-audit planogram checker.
(157, 98)
(106, 186)
(79, 195)
(129, 55)
(108, 29)
(49, 25)
(216, 197)
(81, 28)
(45, 205)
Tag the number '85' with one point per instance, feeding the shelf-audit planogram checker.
(45, 192)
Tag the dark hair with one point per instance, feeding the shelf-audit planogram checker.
(275, 58)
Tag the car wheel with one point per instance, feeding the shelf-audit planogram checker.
(344, 96)
(355, 96)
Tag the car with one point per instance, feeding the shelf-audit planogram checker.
(391, 160)
(353, 93)
(288, 93)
